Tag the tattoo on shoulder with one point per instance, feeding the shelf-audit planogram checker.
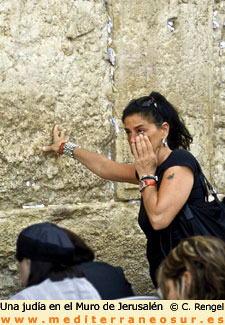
(170, 176)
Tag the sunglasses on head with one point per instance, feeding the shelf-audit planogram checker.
(145, 101)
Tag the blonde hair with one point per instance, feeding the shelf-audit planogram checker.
(204, 258)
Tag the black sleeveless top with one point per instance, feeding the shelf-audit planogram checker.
(177, 157)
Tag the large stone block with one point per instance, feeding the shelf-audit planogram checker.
(218, 45)
(54, 69)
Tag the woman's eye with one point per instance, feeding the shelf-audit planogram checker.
(141, 131)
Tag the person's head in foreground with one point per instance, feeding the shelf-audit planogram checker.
(44, 251)
(195, 269)
(46, 257)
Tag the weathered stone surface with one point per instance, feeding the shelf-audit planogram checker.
(218, 170)
(53, 70)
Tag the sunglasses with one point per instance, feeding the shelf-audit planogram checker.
(144, 101)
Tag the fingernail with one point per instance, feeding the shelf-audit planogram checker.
(43, 148)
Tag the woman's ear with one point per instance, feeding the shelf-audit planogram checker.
(165, 128)
(187, 279)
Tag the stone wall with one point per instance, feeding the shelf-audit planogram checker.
(77, 63)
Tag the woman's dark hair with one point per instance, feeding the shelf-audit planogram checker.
(156, 109)
(83, 253)
(41, 271)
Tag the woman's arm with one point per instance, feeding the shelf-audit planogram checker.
(98, 164)
(175, 188)
(106, 168)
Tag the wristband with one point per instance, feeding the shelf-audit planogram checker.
(145, 183)
(60, 148)
(68, 149)
(149, 177)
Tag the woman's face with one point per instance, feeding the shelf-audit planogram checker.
(24, 270)
(135, 125)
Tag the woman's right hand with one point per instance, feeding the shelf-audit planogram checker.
(145, 157)
(58, 138)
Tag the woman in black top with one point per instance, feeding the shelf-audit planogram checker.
(164, 169)
(155, 251)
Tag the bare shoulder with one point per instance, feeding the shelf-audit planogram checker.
(177, 177)
(178, 171)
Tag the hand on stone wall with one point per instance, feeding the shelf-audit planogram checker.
(58, 138)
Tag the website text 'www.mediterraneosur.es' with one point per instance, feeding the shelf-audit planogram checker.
(91, 319)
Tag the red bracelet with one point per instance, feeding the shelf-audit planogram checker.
(150, 182)
(61, 147)
(146, 182)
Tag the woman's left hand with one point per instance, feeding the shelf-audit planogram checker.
(145, 157)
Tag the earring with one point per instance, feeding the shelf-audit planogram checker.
(164, 141)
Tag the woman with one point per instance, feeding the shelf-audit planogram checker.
(166, 172)
(46, 256)
(195, 269)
